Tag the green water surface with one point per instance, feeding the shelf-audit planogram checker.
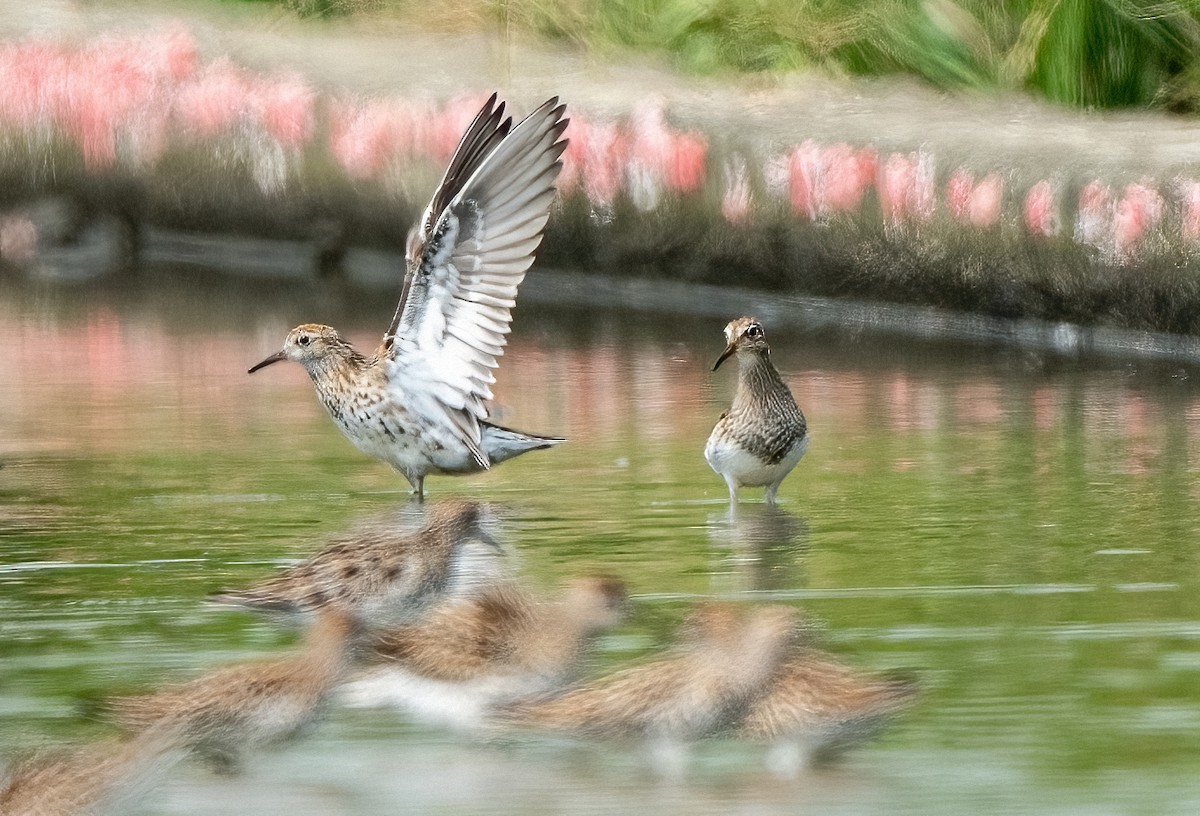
(1019, 531)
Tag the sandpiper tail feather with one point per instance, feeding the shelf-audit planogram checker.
(505, 443)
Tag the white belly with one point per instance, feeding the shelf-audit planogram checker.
(394, 437)
(440, 702)
(747, 470)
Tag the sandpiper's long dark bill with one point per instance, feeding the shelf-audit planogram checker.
(762, 436)
(419, 402)
(725, 355)
(277, 357)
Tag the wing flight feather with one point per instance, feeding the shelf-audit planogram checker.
(466, 258)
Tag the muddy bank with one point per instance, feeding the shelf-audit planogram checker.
(256, 126)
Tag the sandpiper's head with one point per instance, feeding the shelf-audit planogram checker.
(305, 344)
(743, 334)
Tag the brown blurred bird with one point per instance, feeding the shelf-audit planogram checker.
(250, 705)
(472, 653)
(816, 704)
(103, 778)
(724, 657)
(383, 574)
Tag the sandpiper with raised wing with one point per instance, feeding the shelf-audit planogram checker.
(419, 402)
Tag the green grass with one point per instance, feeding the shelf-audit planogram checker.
(1086, 53)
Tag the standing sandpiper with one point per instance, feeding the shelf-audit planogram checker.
(758, 441)
(419, 402)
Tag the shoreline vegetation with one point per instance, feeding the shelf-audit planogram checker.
(148, 131)
(1083, 53)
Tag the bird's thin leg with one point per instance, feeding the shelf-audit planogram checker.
(732, 489)
(417, 483)
(770, 492)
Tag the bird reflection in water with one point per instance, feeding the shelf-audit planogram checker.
(761, 547)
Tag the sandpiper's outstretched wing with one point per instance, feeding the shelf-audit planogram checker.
(466, 258)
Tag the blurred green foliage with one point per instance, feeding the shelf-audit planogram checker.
(1088, 53)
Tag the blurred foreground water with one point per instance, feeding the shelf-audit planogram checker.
(1017, 529)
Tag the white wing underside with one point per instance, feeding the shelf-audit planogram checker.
(464, 267)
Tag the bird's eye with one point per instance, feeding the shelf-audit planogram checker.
(304, 340)
(754, 331)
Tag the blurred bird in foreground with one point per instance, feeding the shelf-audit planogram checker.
(103, 778)
(502, 643)
(724, 657)
(758, 441)
(750, 673)
(419, 401)
(384, 574)
(816, 705)
(250, 705)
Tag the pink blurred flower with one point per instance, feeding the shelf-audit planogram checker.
(735, 203)
(606, 151)
(285, 107)
(897, 184)
(1041, 210)
(18, 238)
(845, 176)
(214, 100)
(106, 84)
(804, 171)
(1137, 212)
(1189, 194)
(660, 156)
(958, 193)
(1094, 214)
(174, 52)
(983, 209)
(117, 89)
(687, 162)
(364, 139)
(104, 92)
(833, 178)
(27, 70)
